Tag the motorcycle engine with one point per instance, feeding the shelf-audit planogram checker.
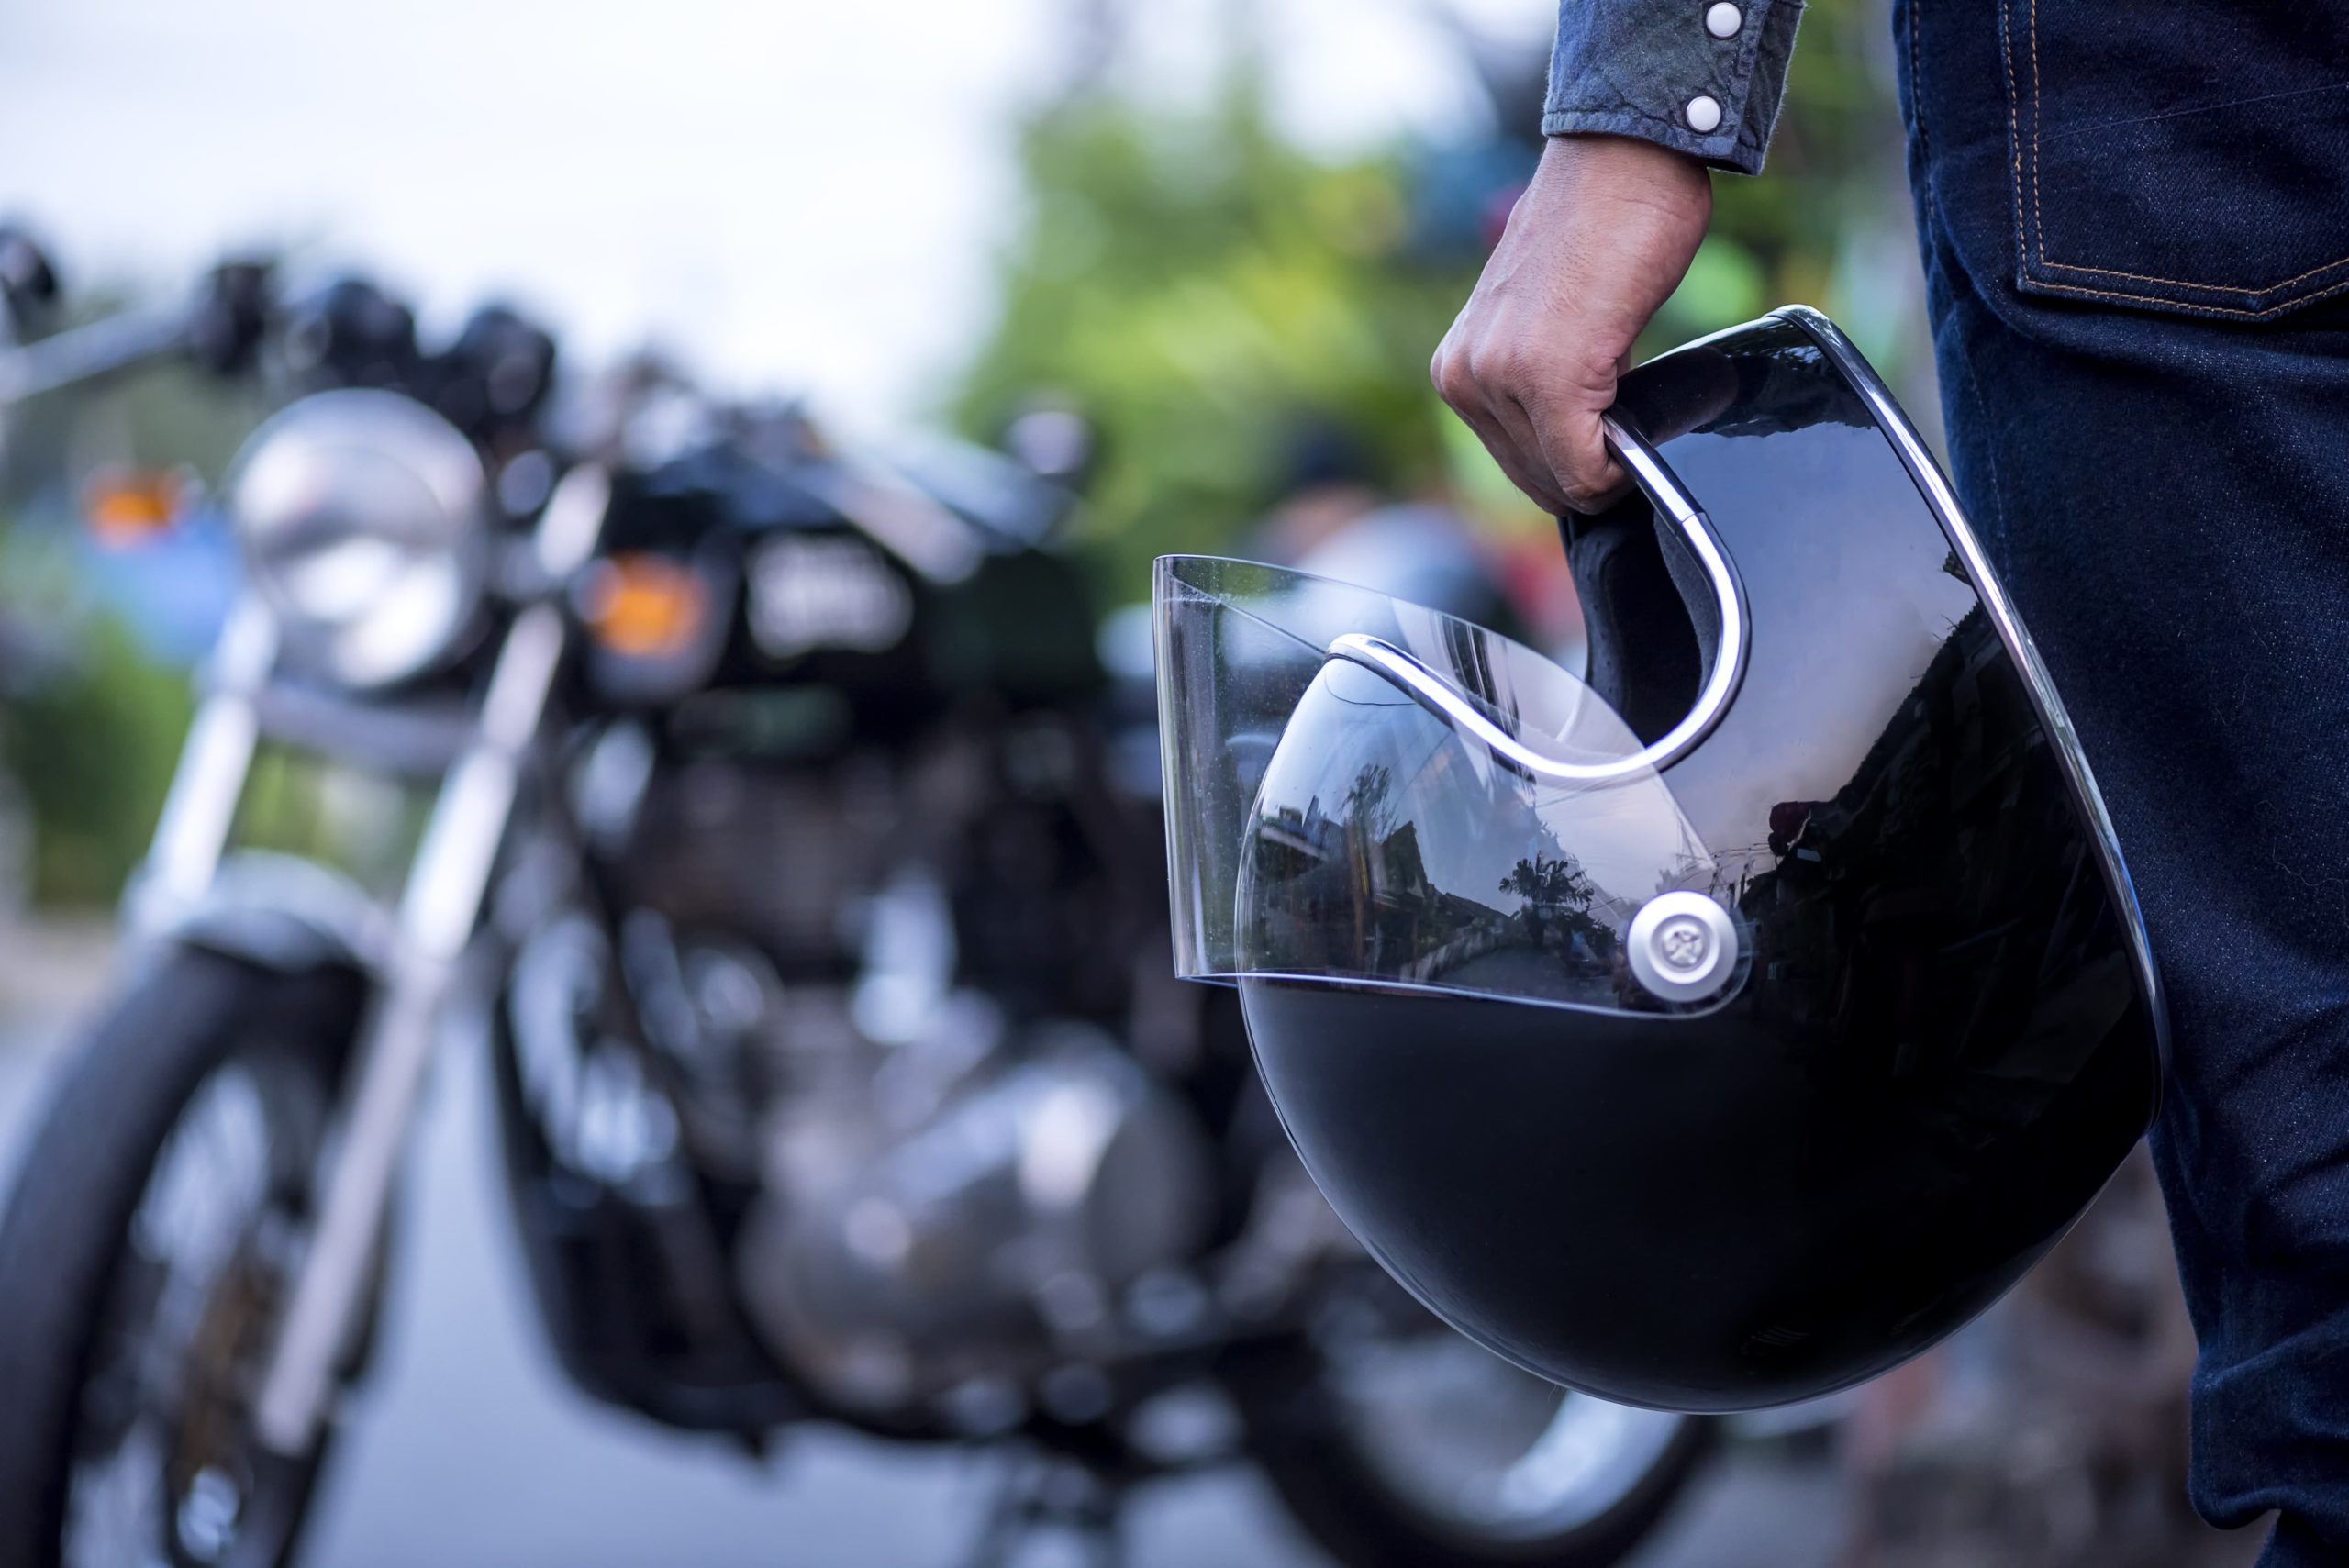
(975, 1221)
(967, 1198)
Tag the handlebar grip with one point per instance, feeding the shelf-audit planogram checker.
(28, 280)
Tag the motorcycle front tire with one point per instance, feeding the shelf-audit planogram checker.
(66, 1236)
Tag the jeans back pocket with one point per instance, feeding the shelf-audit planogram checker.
(2181, 155)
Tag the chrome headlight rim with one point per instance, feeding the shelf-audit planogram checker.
(361, 517)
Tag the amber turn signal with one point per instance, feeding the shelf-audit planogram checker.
(123, 507)
(642, 605)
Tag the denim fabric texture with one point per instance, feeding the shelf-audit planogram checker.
(1632, 66)
(2135, 225)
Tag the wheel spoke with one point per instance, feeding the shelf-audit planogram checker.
(163, 1471)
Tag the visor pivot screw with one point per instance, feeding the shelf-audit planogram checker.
(1682, 947)
(1682, 943)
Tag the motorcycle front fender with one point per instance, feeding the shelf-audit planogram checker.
(277, 912)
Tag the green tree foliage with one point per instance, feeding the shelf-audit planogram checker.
(1195, 286)
(92, 752)
(1198, 286)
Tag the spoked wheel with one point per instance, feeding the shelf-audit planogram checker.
(1411, 1447)
(150, 1244)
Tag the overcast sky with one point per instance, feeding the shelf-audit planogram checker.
(799, 195)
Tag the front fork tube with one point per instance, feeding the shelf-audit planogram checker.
(201, 807)
(437, 919)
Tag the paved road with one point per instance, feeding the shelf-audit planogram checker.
(466, 1448)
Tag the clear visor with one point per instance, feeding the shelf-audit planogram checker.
(1362, 789)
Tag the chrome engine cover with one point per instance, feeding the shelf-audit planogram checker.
(968, 1214)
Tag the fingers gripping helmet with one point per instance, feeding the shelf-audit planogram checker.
(1722, 1024)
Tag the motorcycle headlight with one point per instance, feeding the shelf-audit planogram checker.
(361, 517)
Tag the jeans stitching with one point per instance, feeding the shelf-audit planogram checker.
(1924, 139)
(2014, 129)
(2279, 308)
(2039, 230)
(2181, 283)
(2038, 224)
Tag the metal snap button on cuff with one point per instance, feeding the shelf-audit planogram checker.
(1723, 19)
(1704, 114)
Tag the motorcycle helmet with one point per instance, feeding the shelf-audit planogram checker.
(1724, 1022)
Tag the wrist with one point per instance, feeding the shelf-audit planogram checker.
(1585, 167)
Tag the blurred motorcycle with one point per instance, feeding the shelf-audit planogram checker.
(27, 293)
(772, 805)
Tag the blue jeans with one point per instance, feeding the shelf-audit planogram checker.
(2136, 223)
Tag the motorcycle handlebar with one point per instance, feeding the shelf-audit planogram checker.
(219, 332)
(84, 354)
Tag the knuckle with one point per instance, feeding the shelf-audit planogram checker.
(1508, 363)
(1455, 379)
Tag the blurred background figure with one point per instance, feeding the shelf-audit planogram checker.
(1189, 259)
(2053, 1434)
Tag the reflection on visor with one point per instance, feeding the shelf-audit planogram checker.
(1363, 789)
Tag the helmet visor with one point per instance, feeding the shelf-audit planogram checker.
(1362, 789)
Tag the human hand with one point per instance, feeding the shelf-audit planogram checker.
(1598, 242)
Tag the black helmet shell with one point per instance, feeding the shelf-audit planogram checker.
(1943, 1028)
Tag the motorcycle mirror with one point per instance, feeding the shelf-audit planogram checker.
(29, 287)
(230, 318)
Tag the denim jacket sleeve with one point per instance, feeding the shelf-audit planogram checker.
(1660, 70)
